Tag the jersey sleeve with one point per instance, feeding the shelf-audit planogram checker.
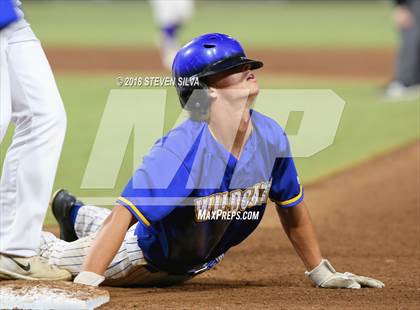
(157, 187)
(286, 190)
(8, 14)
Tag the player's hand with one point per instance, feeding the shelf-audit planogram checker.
(325, 276)
(403, 17)
(89, 278)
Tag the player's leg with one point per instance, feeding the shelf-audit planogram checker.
(31, 161)
(13, 266)
(5, 100)
(406, 83)
(70, 255)
(127, 268)
(406, 64)
(88, 220)
(76, 220)
(83, 221)
(6, 213)
(416, 15)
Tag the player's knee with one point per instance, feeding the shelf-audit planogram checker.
(43, 120)
(61, 119)
(56, 120)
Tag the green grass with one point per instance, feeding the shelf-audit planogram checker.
(368, 126)
(262, 24)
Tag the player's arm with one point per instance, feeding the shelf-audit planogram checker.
(105, 246)
(287, 192)
(298, 226)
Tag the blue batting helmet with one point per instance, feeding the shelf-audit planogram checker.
(206, 55)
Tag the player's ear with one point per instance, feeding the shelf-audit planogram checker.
(212, 92)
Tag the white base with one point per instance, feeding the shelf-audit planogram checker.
(69, 296)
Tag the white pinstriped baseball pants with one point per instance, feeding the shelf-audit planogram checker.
(70, 255)
(127, 267)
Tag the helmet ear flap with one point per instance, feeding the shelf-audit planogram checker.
(198, 99)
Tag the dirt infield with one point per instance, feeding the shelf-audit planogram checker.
(326, 63)
(367, 219)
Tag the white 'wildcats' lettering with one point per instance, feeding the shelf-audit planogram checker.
(234, 201)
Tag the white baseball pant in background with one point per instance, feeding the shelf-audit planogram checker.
(30, 99)
(169, 16)
(170, 12)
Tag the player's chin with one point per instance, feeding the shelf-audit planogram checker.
(253, 94)
(254, 90)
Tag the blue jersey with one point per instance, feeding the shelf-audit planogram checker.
(8, 13)
(188, 178)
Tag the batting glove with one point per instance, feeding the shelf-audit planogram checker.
(325, 276)
(89, 278)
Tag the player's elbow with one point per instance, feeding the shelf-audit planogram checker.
(119, 216)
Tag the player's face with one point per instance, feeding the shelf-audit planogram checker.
(239, 82)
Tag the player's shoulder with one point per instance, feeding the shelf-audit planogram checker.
(180, 139)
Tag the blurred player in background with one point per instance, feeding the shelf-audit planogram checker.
(170, 15)
(30, 99)
(406, 83)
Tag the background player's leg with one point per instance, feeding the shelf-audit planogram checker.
(89, 219)
(31, 161)
(416, 15)
(407, 63)
(170, 16)
(70, 255)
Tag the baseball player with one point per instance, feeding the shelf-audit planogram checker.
(170, 16)
(406, 82)
(30, 99)
(201, 190)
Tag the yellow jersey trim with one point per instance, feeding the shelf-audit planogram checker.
(294, 199)
(134, 208)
